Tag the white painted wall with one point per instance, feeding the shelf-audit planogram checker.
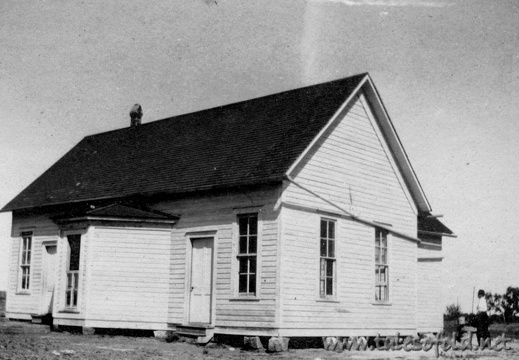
(352, 167)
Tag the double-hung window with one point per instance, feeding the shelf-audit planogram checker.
(381, 266)
(247, 253)
(25, 261)
(71, 293)
(327, 259)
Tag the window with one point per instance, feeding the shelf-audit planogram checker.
(25, 261)
(381, 266)
(327, 260)
(247, 253)
(74, 242)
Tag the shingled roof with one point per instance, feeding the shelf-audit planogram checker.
(245, 143)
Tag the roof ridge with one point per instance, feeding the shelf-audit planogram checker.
(152, 122)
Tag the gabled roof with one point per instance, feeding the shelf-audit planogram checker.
(246, 143)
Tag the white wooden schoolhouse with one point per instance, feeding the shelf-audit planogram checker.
(294, 214)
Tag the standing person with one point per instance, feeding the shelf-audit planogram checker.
(482, 318)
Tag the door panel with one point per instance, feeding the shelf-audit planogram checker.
(201, 281)
(48, 279)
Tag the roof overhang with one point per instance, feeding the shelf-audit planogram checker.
(117, 213)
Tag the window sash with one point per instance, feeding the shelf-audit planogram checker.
(25, 261)
(381, 266)
(247, 253)
(71, 293)
(74, 262)
(327, 272)
(327, 276)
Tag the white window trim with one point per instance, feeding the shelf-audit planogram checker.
(334, 296)
(235, 268)
(19, 289)
(388, 266)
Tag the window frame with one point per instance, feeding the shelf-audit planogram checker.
(24, 262)
(239, 256)
(73, 286)
(327, 258)
(381, 248)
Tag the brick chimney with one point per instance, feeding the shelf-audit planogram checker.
(136, 115)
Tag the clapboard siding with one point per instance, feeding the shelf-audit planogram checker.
(22, 305)
(429, 290)
(354, 305)
(429, 309)
(218, 214)
(129, 274)
(351, 166)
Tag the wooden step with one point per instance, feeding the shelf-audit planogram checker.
(203, 332)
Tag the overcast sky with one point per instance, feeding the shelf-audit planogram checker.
(447, 71)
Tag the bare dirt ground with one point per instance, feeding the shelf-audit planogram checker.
(29, 342)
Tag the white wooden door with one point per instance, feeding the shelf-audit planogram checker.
(201, 281)
(48, 279)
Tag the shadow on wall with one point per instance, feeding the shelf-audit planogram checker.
(2, 303)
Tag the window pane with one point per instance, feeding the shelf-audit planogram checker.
(68, 294)
(252, 284)
(243, 283)
(253, 240)
(377, 255)
(243, 265)
(331, 229)
(28, 261)
(75, 298)
(75, 247)
(329, 286)
(243, 224)
(252, 265)
(384, 240)
(321, 287)
(243, 245)
(323, 229)
(69, 280)
(384, 256)
(323, 247)
(331, 248)
(329, 268)
(253, 225)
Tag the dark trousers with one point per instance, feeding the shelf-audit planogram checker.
(482, 326)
